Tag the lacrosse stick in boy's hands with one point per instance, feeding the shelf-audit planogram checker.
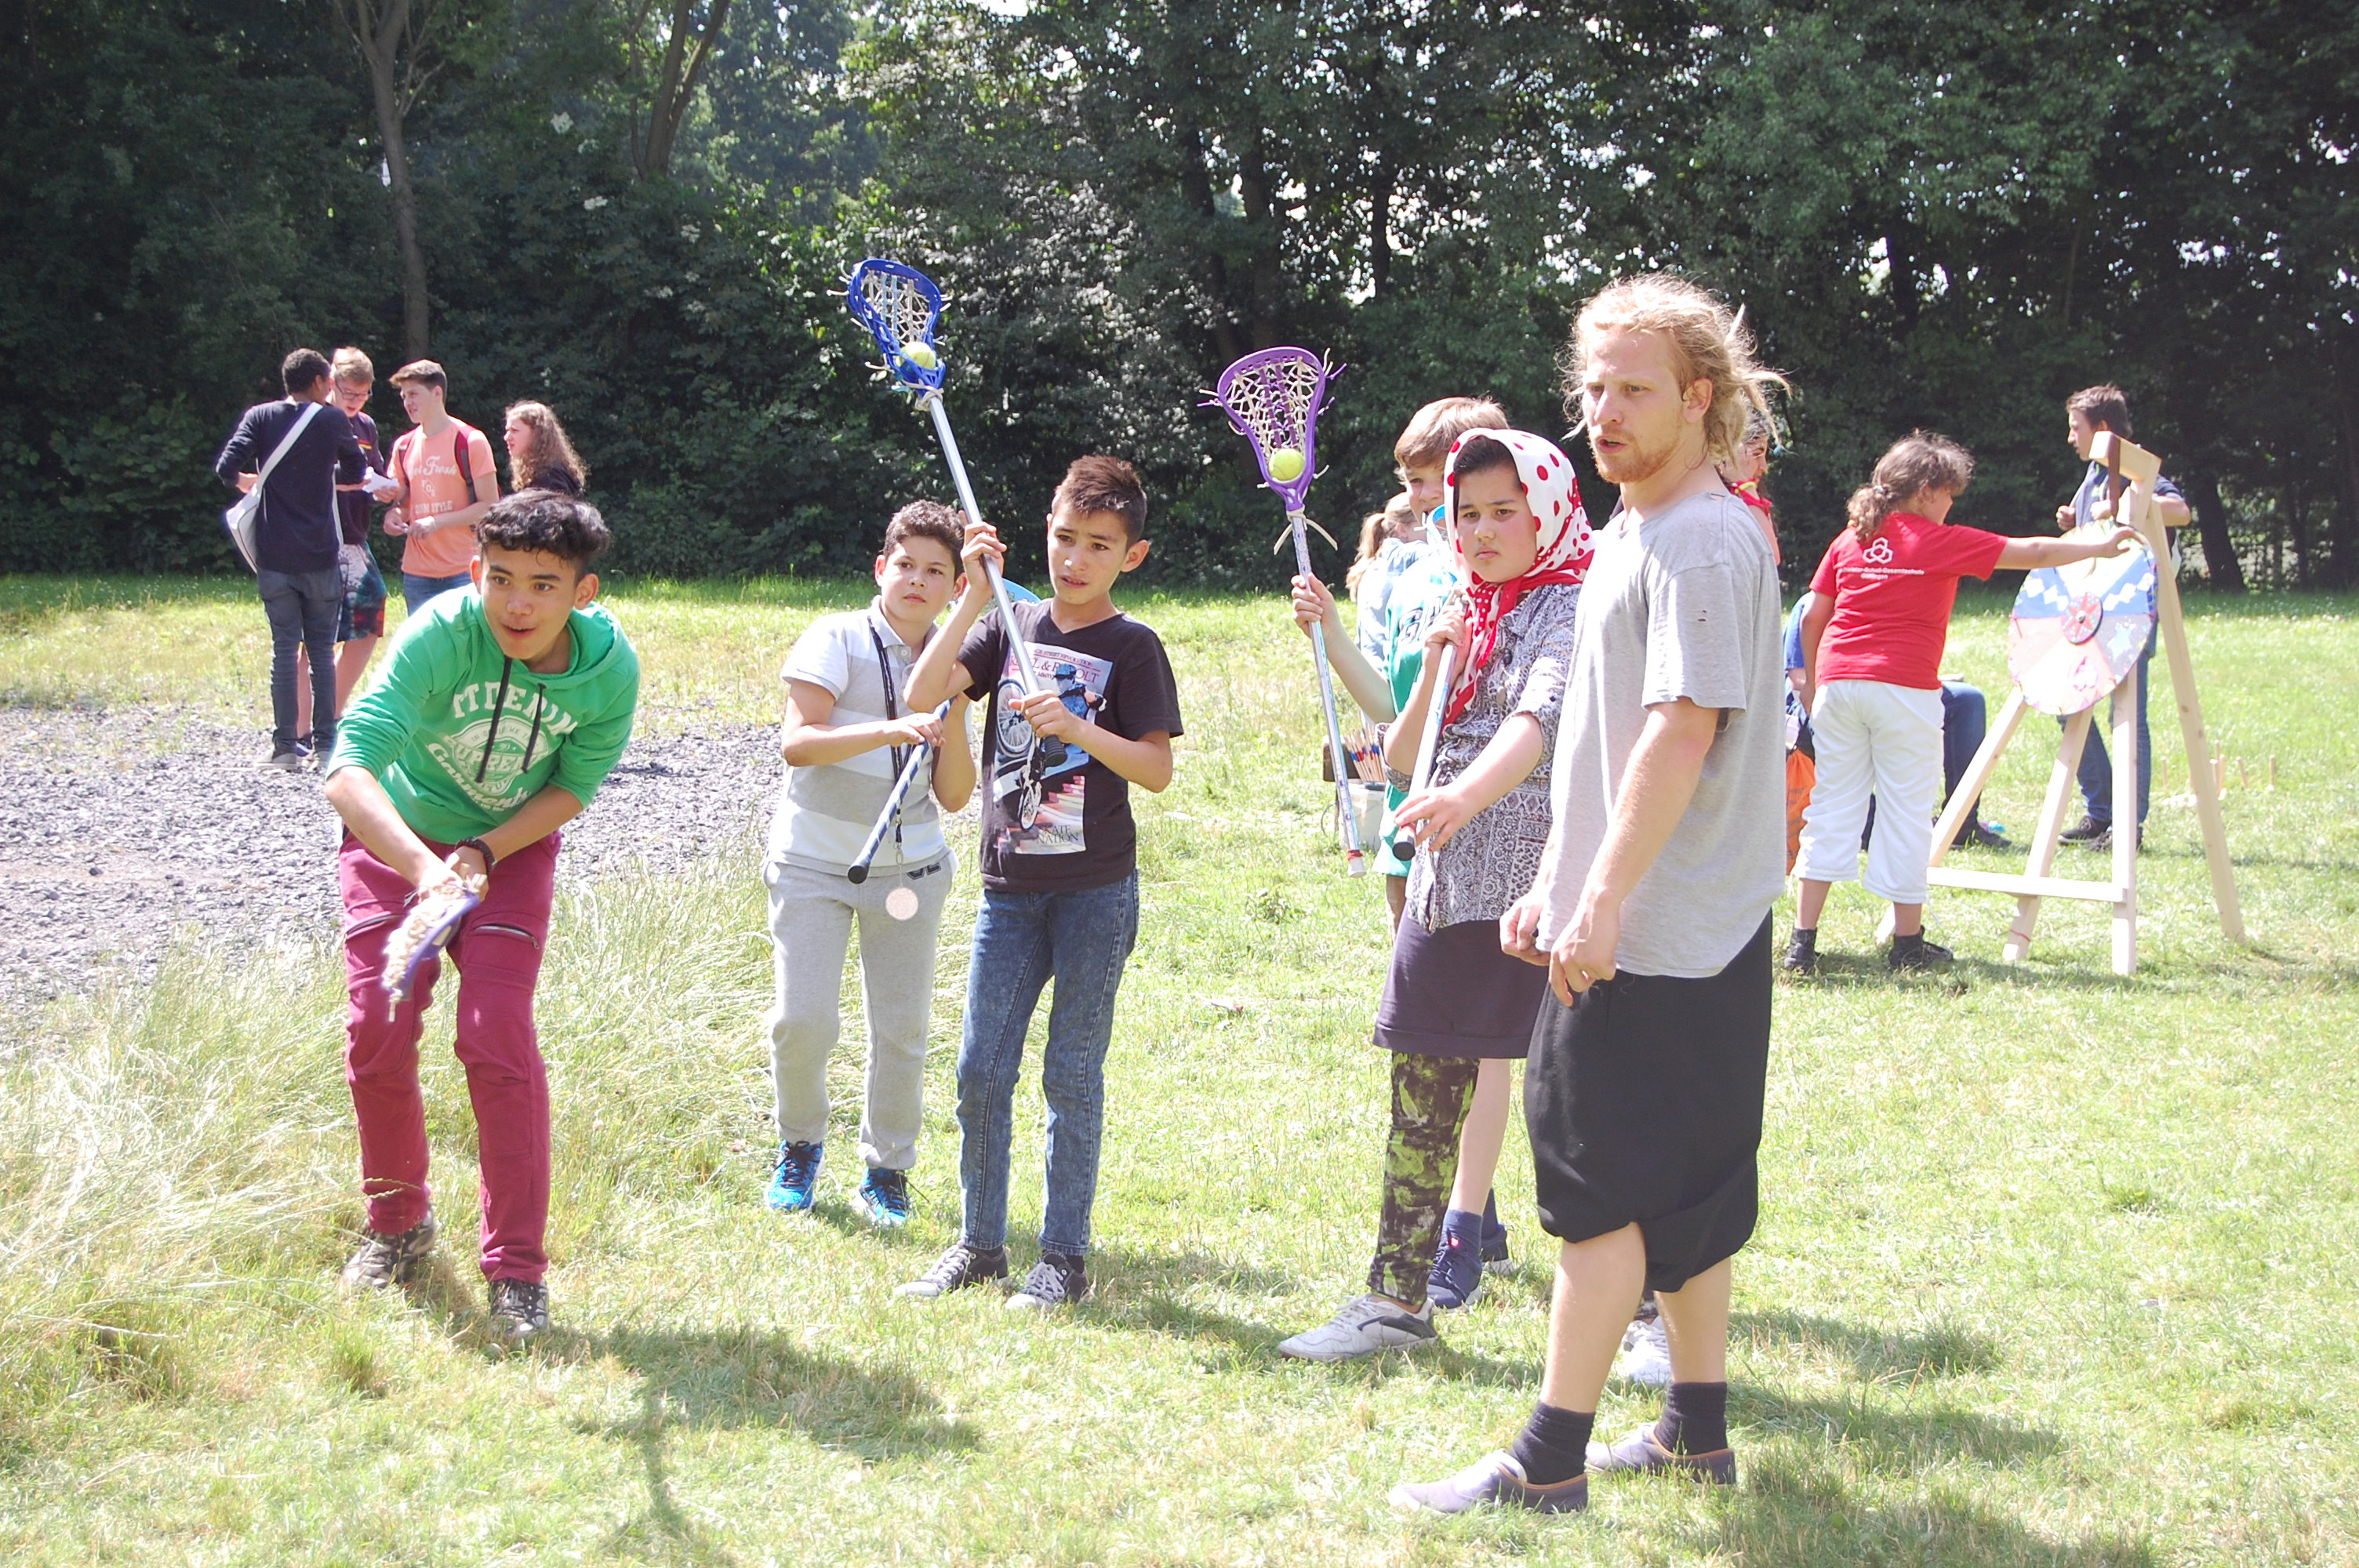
(1436, 684)
(900, 306)
(981, 556)
(434, 915)
(1273, 398)
(858, 872)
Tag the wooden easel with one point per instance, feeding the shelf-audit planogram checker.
(2136, 506)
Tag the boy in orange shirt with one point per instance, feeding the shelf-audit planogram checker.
(444, 481)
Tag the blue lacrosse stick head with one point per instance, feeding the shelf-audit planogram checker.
(900, 306)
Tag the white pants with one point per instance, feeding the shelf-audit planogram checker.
(811, 916)
(1880, 740)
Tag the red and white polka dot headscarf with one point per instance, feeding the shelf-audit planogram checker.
(1553, 493)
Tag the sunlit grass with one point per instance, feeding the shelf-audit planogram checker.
(2054, 1267)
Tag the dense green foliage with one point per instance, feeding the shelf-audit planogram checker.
(1932, 215)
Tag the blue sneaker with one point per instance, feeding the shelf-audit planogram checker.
(1457, 1273)
(1494, 1239)
(883, 1199)
(792, 1184)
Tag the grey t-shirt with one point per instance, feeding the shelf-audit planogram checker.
(1685, 606)
(825, 811)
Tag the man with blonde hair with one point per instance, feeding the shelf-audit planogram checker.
(1643, 1093)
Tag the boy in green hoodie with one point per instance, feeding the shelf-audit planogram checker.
(499, 711)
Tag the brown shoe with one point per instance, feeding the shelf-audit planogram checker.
(1640, 1452)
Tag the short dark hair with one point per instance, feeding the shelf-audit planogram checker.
(303, 368)
(928, 520)
(1480, 454)
(546, 523)
(2107, 405)
(1104, 484)
(425, 372)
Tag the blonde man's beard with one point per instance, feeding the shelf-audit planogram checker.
(1634, 464)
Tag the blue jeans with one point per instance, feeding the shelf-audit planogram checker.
(415, 590)
(2097, 768)
(302, 609)
(1021, 939)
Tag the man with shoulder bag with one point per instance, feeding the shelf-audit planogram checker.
(286, 459)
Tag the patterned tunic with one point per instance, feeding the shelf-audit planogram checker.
(1492, 859)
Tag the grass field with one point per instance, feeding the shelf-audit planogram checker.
(2054, 1267)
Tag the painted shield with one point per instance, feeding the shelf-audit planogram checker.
(2078, 630)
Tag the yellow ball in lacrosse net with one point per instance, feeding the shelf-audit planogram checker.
(1285, 465)
(921, 355)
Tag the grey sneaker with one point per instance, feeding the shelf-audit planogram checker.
(1643, 1453)
(1496, 1480)
(519, 1310)
(390, 1260)
(1056, 1280)
(1362, 1327)
(288, 759)
(955, 1269)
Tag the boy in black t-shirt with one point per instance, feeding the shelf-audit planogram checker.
(1060, 862)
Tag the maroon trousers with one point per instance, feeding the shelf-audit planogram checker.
(497, 949)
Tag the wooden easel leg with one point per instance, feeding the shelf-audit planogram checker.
(2046, 837)
(2202, 783)
(1978, 775)
(2125, 834)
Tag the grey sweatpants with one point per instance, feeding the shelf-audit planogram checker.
(811, 928)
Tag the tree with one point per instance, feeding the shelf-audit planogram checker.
(392, 38)
(680, 50)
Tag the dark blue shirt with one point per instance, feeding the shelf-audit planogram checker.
(2092, 486)
(298, 528)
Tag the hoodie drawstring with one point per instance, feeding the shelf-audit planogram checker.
(539, 707)
(497, 703)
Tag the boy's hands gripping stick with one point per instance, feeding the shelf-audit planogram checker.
(858, 872)
(434, 915)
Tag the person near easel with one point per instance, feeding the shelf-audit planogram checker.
(2089, 413)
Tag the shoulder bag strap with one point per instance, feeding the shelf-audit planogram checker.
(283, 442)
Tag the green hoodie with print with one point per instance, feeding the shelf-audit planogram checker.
(461, 735)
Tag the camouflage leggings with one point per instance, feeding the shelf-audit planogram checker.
(1430, 1095)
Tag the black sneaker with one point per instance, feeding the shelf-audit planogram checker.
(2088, 830)
(1982, 836)
(390, 1260)
(519, 1310)
(956, 1270)
(288, 759)
(1056, 1280)
(1916, 953)
(2105, 841)
(1802, 952)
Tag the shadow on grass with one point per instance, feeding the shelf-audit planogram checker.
(1876, 1354)
(739, 1378)
(1795, 1512)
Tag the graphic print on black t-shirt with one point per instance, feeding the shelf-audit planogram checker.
(1041, 807)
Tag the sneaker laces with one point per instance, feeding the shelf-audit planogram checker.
(799, 1165)
(518, 1299)
(890, 1189)
(952, 1267)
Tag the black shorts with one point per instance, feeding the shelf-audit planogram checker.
(1452, 993)
(1644, 1104)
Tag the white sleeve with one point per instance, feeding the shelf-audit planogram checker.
(820, 657)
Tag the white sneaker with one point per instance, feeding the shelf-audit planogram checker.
(1363, 1326)
(1646, 1353)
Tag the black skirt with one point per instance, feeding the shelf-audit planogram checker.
(1452, 993)
(1643, 1100)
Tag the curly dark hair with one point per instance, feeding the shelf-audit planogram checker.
(546, 523)
(928, 520)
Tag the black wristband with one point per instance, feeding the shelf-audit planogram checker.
(480, 848)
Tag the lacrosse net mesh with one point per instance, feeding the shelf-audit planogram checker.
(1274, 402)
(897, 307)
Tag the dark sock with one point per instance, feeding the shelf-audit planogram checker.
(1695, 1418)
(1553, 1446)
(1467, 1226)
(1491, 1211)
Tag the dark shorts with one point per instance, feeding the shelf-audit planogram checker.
(1452, 993)
(1643, 1100)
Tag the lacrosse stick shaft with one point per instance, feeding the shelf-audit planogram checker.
(1033, 684)
(858, 872)
(1445, 671)
(1354, 862)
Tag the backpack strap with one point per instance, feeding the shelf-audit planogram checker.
(459, 456)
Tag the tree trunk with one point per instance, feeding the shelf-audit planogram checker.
(1261, 228)
(1380, 241)
(390, 50)
(1196, 186)
(683, 66)
(2221, 570)
(2342, 553)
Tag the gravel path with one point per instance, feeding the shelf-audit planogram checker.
(118, 827)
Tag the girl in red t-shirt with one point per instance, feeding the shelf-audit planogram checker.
(1871, 644)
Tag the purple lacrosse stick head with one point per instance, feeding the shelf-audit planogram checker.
(1273, 397)
(438, 933)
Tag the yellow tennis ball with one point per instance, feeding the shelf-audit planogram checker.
(921, 355)
(1285, 465)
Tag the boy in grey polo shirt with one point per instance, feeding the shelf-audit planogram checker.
(847, 735)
